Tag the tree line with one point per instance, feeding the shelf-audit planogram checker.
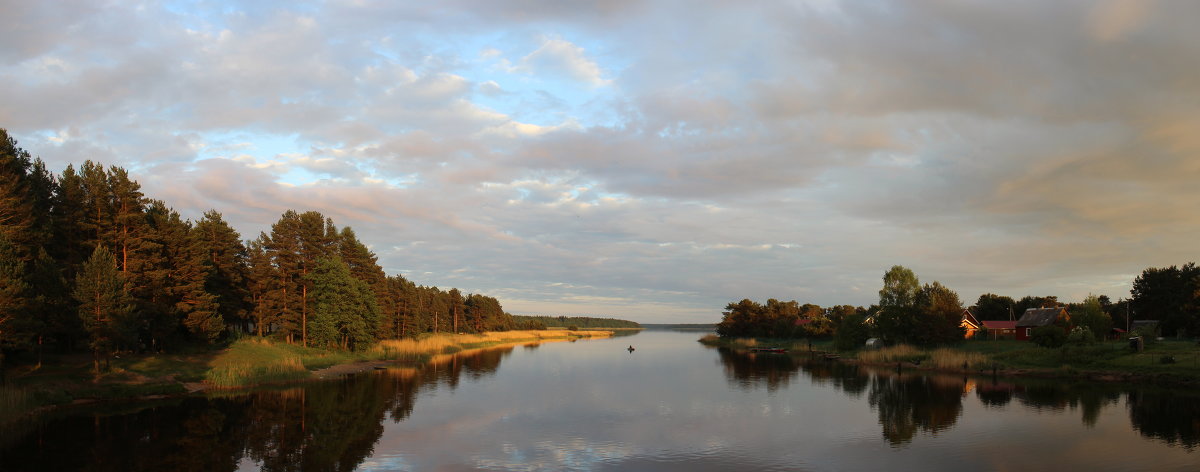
(930, 314)
(542, 322)
(88, 261)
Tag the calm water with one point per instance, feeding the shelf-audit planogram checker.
(671, 405)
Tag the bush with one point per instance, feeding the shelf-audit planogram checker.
(1081, 336)
(1048, 336)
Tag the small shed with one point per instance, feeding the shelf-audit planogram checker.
(1038, 317)
(1142, 324)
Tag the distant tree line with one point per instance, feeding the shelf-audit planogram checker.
(87, 260)
(542, 322)
(931, 314)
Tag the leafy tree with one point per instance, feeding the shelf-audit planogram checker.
(851, 333)
(1048, 336)
(900, 287)
(1030, 301)
(941, 315)
(1090, 315)
(740, 319)
(992, 307)
(1169, 295)
(104, 305)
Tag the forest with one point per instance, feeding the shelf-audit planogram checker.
(542, 322)
(930, 314)
(87, 262)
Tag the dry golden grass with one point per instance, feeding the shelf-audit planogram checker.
(409, 349)
(946, 358)
(897, 353)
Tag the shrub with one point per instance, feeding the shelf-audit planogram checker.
(1048, 336)
(1081, 336)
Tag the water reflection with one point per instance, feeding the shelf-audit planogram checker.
(909, 402)
(322, 426)
(597, 407)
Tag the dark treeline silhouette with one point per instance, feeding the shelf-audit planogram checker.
(89, 262)
(776, 319)
(931, 314)
(536, 322)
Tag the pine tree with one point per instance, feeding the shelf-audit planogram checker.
(104, 305)
(185, 273)
(344, 311)
(228, 274)
(263, 281)
(15, 321)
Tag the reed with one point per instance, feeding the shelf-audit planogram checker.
(250, 361)
(15, 401)
(947, 358)
(897, 353)
(422, 348)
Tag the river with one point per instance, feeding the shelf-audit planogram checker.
(672, 404)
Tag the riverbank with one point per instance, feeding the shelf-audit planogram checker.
(249, 362)
(1168, 362)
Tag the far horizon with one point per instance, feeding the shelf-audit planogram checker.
(649, 161)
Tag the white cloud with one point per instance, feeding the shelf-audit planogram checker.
(559, 56)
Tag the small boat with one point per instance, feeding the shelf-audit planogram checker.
(631, 349)
(768, 349)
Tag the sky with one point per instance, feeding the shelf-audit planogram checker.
(649, 160)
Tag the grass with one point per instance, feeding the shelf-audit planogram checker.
(16, 401)
(791, 344)
(892, 354)
(253, 361)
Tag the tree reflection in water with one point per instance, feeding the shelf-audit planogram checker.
(910, 402)
(320, 426)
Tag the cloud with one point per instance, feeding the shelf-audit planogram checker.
(675, 154)
(559, 56)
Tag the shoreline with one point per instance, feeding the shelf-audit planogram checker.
(166, 387)
(994, 369)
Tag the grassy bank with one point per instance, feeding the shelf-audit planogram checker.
(254, 361)
(792, 345)
(1168, 361)
(247, 362)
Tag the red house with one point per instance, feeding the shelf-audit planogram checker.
(1037, 317)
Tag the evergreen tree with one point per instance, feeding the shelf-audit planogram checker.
(104, 305)
(263, 289)
(344, 311)
(15, 323)
(228, 269)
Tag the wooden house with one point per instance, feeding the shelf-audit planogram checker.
(1000, 329)
(969, 324)
(1038, 317)
(988, 329)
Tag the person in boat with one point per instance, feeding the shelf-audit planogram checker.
(631, 347)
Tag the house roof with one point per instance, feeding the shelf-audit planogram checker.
(1040, 316)
(1000, 324)
(968, 317)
